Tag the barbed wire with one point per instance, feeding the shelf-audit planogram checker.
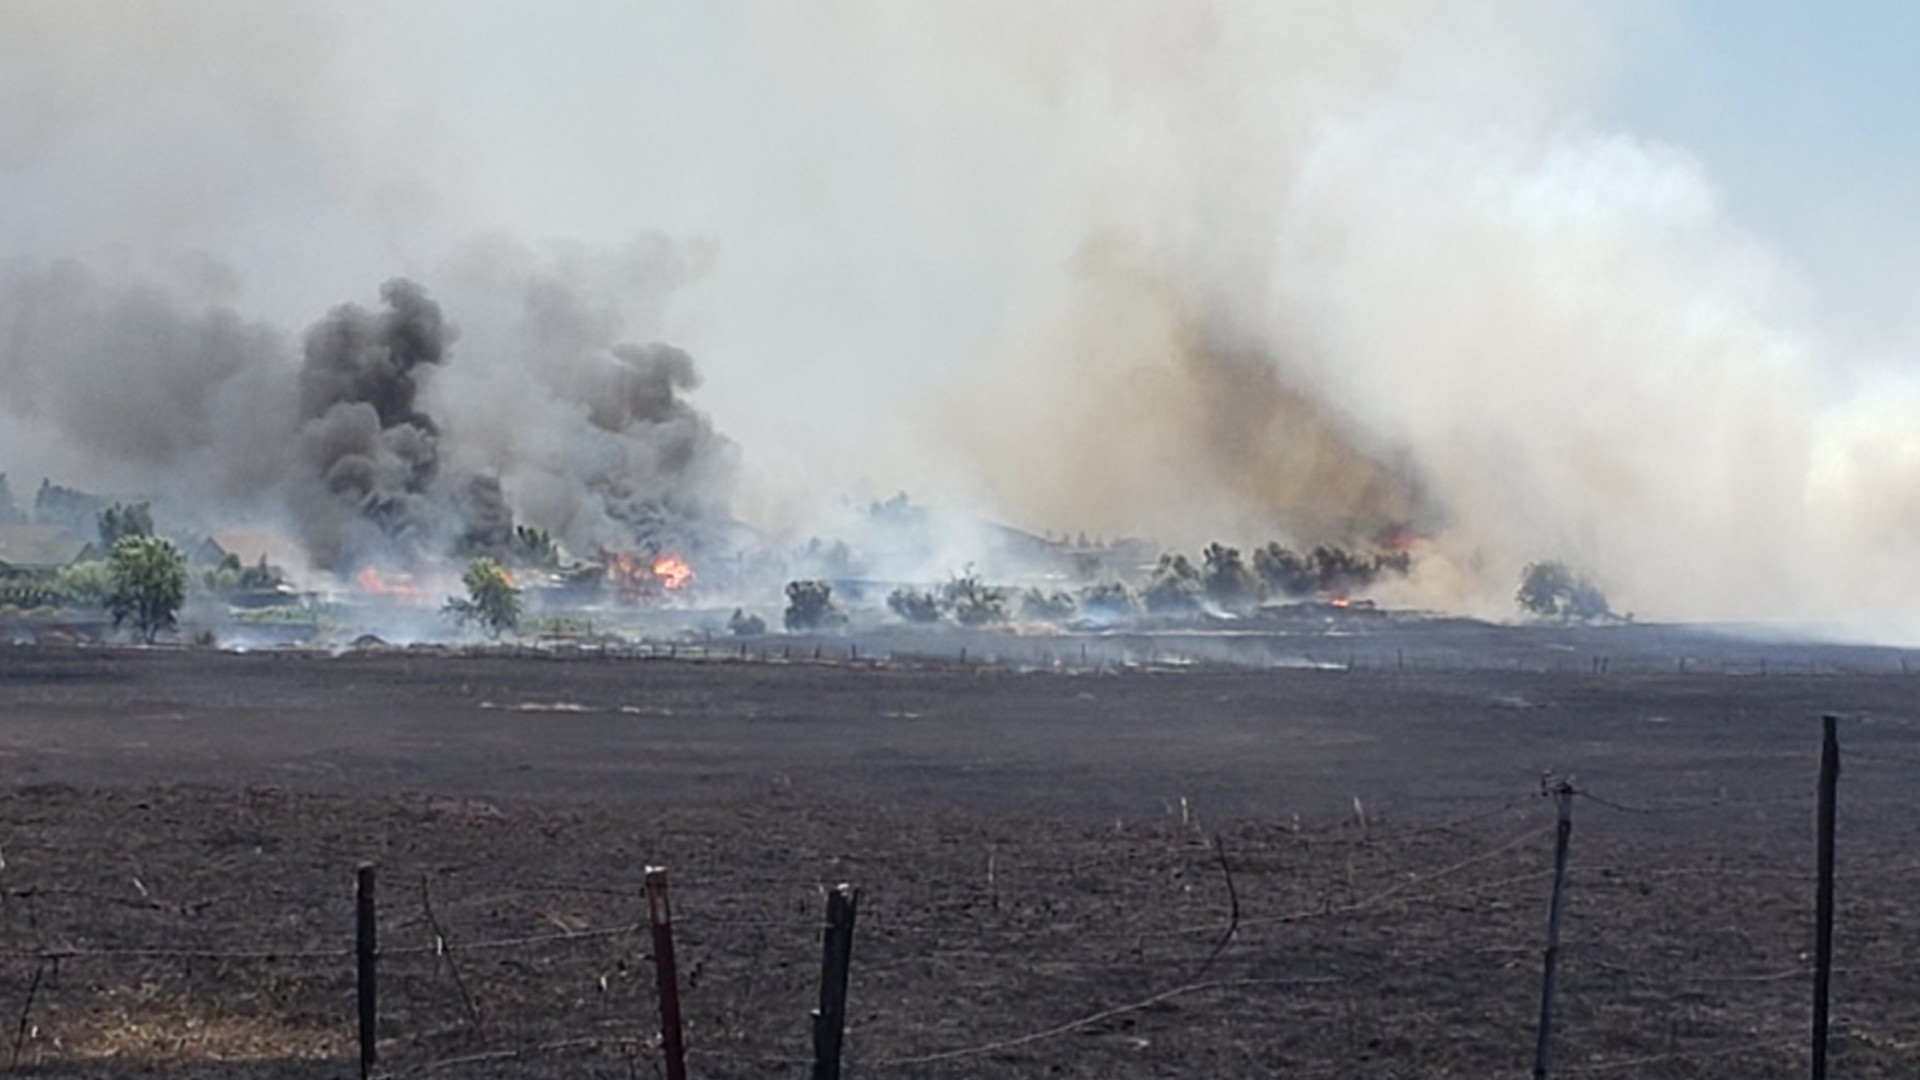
(1093, 1018)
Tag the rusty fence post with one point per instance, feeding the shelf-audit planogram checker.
(673, 1044)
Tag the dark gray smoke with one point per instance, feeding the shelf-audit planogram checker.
(133, 388)
(592, 434)
(662, 441)
(371, 456)
(364, 444)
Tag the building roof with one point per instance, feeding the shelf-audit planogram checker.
(38, 547)
(250, 545)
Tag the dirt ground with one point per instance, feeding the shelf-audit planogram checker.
(1123, 872)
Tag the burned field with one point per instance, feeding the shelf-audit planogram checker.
(1110, 871)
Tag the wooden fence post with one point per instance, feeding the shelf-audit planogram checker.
(1823, 896)
(830, 1019)
(366, 952)
(1563, 833)
(660, 916)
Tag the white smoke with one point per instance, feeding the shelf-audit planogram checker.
(1196, 270)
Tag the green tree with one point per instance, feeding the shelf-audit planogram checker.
(1284, 571)
(1228, 582)
(492, 601)
(1553, 590)
(122, 520)
(810, 606)
(1176, 587)
(149, 584)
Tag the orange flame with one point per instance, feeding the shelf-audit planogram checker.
(1340, 602)
(639, 581)
(370, 580)
(673, 572)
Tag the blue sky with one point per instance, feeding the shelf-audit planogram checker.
(1807, 116)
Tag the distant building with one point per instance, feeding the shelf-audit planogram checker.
(37, 550)
(67, 508)
(255, 545)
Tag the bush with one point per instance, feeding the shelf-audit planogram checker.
(1326, 569)
(974, 603)
(1553, 590)
(86, 584)
(1176, 587)
(23, 596)
(233, 576)
(1107, 602)
(810, 606)
(1226, 579)
(914, 605)
(1056, 607)
(1284, 572)
(744, 625)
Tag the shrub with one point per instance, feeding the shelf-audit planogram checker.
(914, 605)
(810, 606)
(974, 603)
(745, 625)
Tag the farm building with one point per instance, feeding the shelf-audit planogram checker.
(37, 551)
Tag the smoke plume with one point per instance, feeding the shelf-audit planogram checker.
(1222, 269)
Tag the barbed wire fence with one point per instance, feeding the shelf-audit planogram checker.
(1361, 946)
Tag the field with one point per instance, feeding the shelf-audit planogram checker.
(1109, 870)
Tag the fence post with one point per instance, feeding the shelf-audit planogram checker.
(660, 916)
(1563, 833)
(830, 1019)
(1823, 897)
(366, 951)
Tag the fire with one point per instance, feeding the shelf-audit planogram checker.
(637, 580)
(673, 572)
(1340, 602)
(370, 580)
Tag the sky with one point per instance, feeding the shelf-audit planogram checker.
(1803, 115)
(1619, 280)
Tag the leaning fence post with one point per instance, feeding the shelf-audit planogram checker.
(366, 951)
(1563, 833)
(1823, 896)
(660, 916)
(830, 1019)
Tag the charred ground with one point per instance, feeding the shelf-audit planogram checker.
(192, 801)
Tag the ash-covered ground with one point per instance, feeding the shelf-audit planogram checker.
(1051, 856)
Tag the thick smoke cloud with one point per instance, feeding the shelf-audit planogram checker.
(592, 435)
(132, 388)
(127, 388)
(372, 458)
(1191, 270)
